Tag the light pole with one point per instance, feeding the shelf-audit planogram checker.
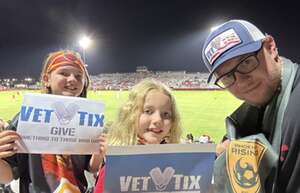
(84, 43)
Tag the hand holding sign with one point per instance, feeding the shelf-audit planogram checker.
(98, 158)
(8, 146)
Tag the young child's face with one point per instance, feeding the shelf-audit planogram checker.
(66, 80)
(156, 119)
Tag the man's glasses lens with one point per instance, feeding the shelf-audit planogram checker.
(226, 81)
(246, 66)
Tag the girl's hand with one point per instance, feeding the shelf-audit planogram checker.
(103, 145)
(8, 146)
(97, 160)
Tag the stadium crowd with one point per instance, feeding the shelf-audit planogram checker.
(178, 80)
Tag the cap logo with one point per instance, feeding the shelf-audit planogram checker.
(220, 44)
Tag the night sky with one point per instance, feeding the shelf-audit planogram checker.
(160, 34)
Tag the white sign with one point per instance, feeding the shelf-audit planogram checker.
(59, 124)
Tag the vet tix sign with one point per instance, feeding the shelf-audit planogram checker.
(59, 124)
(162, 168)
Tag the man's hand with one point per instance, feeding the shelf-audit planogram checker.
(221, 147)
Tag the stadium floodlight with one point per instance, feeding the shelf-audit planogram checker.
(214, 28)
(84, 43)
(216, 24)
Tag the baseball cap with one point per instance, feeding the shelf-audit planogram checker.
(230, 39)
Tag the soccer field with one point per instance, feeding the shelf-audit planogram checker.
(202, 112)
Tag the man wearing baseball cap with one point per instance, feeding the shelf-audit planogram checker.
(261, 153)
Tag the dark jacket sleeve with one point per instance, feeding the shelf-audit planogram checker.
(247, 120)
(14, 160)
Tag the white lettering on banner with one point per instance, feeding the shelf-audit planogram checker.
(125, 182)
(141, 183)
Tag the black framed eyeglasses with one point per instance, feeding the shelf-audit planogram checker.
(247, 65)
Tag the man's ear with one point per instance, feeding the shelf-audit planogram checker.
(270, 45)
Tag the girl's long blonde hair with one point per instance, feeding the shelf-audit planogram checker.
(123, 130)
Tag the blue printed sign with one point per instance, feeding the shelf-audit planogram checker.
(60, 124)
(160, 168)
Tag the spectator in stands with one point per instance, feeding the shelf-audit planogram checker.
(205, 139)
(149, 116)
(189, 138)
(266, 128)
(64, 73)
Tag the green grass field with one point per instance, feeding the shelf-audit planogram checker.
(202, 112)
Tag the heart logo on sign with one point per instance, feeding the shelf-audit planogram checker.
(65, 114)
(161, 179)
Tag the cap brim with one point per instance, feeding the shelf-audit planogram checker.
(209, 77)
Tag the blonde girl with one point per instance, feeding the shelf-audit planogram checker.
(149, 116)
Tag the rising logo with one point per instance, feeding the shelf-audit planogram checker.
(243, 159)
(244, 174)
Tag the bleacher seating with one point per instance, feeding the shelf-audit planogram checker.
(175, 79)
